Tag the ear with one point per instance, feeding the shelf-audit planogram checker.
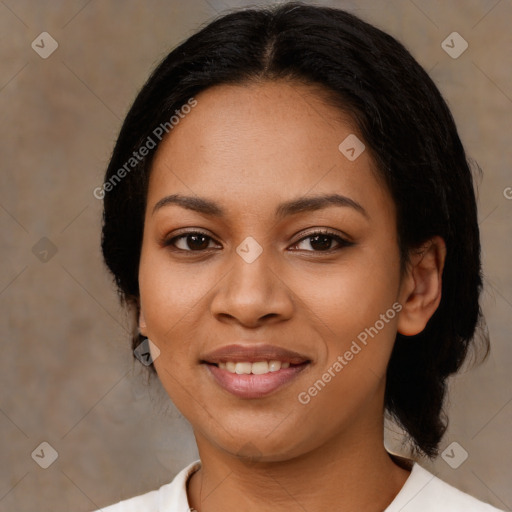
(420, 291)
(142, 321)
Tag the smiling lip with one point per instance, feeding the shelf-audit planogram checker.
(251, 385)
(252, 353)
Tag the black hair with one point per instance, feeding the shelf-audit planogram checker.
(405, 123)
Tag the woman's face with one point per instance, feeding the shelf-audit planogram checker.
(253, 166)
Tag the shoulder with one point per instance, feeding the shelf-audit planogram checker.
(171, 497)
(425, 492)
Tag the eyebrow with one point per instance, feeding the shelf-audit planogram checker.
(292, 207)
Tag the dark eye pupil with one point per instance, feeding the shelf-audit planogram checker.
(200, 242)
(325, 242)
(197, 242)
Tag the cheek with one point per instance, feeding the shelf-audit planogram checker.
(169, 298)
(353, 308)
(349, 296)
(168, 292)
(166, 302)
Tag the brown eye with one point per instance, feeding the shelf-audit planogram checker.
(190, 242)
(321, 241)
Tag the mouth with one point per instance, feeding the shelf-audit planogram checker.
(256, 368)
(254, 371)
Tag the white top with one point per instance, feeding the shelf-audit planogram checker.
(422, 492)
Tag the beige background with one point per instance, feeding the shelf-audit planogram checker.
(67, 375)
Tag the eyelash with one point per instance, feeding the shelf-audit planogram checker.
(341, 241)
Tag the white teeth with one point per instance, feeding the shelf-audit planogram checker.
(243, 368)
(257, 368)
(273, 366)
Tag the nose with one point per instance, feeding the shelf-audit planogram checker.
(252, 294)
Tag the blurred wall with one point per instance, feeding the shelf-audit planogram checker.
(67, 375)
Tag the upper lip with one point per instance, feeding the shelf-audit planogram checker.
(252, 353)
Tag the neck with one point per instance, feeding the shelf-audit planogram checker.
(348, 473)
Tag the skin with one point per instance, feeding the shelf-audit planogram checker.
(250, 148)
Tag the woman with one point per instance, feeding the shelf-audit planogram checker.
(289, 212)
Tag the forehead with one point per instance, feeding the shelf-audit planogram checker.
(265, 141)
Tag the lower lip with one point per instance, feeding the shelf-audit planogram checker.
(254, 386)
